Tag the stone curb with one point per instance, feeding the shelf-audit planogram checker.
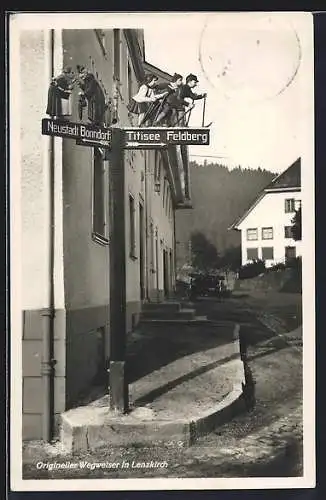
(109, 430)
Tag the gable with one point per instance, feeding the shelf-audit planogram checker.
(269, 210)
(290, 178)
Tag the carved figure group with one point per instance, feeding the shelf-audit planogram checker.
(90, 95)
(164, 104)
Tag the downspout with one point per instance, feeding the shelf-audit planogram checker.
(48, 311)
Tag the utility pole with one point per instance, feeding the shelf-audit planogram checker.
(119, 397)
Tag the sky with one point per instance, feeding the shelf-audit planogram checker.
(253, 67)
(257, 69)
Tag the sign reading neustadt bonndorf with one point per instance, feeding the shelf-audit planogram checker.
(84, 133)
(156, 137)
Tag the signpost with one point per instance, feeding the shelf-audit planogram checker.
(119, 398)
(114, 141)
(91, 135)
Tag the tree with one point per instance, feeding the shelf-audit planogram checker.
(297, 225)
(220, 196)
(204, 253)
(231, 258)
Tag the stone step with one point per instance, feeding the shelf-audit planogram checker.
(168, 314)
(163, 323)
(187, 304)
(162, 306)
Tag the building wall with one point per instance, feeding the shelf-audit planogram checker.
(270, 212)
(82, 278)
(184, 228)
(86, 261)
(134, 162)
(140, 181)
(33, 174)
(161, 217)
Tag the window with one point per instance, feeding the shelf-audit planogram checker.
(267, 253)
(167, 206)
(267, 233)
(252, 234)
(157, 172)
(290, 253)
(132, 228)
(116, 45)
(289, 206)
(157, 257)
(152, 242)
(164, 192)
(99, 198)
(288, 232)
(252, 253)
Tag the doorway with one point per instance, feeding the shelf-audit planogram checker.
(171, 271)
(165, 273)
(157, 256)
(290, 253)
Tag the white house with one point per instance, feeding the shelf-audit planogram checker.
(266, 226)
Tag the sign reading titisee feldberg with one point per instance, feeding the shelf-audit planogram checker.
(86, 134)
(160, 137)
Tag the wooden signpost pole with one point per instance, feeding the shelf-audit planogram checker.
(118, 384)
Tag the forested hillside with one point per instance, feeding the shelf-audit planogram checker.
(219, 196)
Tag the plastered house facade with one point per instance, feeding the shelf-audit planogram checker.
(66, 238)
(266, 227)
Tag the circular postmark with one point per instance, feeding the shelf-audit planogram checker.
(249, 57)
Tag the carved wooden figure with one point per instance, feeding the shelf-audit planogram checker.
(91, 95)
(59, 94)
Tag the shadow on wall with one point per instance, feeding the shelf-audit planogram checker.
(87, 365)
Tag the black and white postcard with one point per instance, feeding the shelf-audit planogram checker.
(162, 251)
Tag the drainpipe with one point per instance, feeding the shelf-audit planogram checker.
(48, 310)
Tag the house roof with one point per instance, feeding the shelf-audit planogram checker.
(289, 180)
(136, 45)
(148, 67)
